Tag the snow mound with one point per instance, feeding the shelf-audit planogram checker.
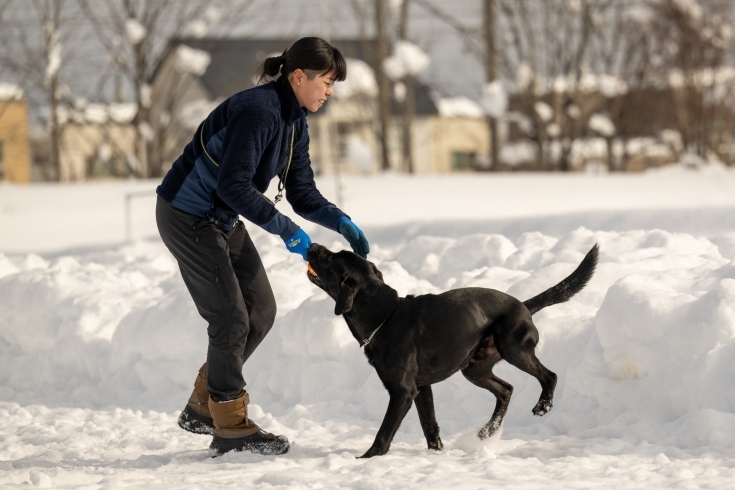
(643, 353)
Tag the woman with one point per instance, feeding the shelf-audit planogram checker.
(224, 172)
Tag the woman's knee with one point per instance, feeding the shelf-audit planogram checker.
(268, 310)
(228, 336)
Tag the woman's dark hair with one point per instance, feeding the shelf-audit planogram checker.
(313, 55)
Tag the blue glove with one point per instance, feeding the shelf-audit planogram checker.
(299, 243)
(354, 236)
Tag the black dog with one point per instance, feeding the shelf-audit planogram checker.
(416, 341)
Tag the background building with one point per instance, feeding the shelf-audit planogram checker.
(15, 162)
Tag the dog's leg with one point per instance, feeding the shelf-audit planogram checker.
(524, 358)
(480, 373)
(398, 406)
(425, 407)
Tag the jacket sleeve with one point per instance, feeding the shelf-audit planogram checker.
(301, 191)
(246, 139)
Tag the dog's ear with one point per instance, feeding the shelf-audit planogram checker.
(347, 292)
(376, 271)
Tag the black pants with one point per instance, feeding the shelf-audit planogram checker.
(226, 279)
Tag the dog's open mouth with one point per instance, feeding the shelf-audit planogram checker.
(313, 277)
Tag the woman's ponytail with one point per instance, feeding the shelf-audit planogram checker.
(270, 67)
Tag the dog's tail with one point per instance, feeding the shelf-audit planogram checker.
(568, 287)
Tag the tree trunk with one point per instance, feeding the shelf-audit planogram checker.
(383, 85)
(410, 102)
(491, 74)
(408, 124)
(610, 161)
(52, 42)
(143, 115)
(55, 128)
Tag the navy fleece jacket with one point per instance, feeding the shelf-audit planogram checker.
(249, 136)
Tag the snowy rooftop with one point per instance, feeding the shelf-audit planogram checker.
(459, 107)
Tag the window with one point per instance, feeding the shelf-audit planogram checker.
(463, 161)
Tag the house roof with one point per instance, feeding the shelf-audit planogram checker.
(234, 63)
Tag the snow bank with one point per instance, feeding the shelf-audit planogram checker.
(99, 344)
(644, 353)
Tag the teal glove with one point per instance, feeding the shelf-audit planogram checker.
(354, 236)
(299, 243)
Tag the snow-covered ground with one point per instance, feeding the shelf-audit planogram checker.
(100, 342)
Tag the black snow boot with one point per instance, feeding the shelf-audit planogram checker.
(194, 422)
(234, 431)
(261, 442)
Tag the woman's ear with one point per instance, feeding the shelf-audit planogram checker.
(345, 297)
(298, 75)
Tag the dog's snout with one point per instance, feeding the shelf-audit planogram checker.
(316, 252)
(313, 251)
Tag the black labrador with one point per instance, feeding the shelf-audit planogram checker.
(416, 341)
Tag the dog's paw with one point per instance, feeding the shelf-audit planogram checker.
(436, 445)
(486, 432)
(542, 408)
(372, 452)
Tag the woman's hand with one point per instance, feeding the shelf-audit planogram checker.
(299, 243)
(354, 236)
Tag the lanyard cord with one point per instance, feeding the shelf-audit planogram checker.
(281, 178)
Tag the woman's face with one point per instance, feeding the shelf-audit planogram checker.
(312, 93)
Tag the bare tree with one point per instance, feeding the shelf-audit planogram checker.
(550, 46)
(137, 33)
(624, 47)
(481, 42)
(3, 67)
(4, 4)
(696, 38)
(559, 53)
(471, 36)
(34, 56)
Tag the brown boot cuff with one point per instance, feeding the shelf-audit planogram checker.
(199, 399)
(231, 418)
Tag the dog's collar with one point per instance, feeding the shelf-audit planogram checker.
(369, 339)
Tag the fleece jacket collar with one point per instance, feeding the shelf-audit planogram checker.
(291, 110)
